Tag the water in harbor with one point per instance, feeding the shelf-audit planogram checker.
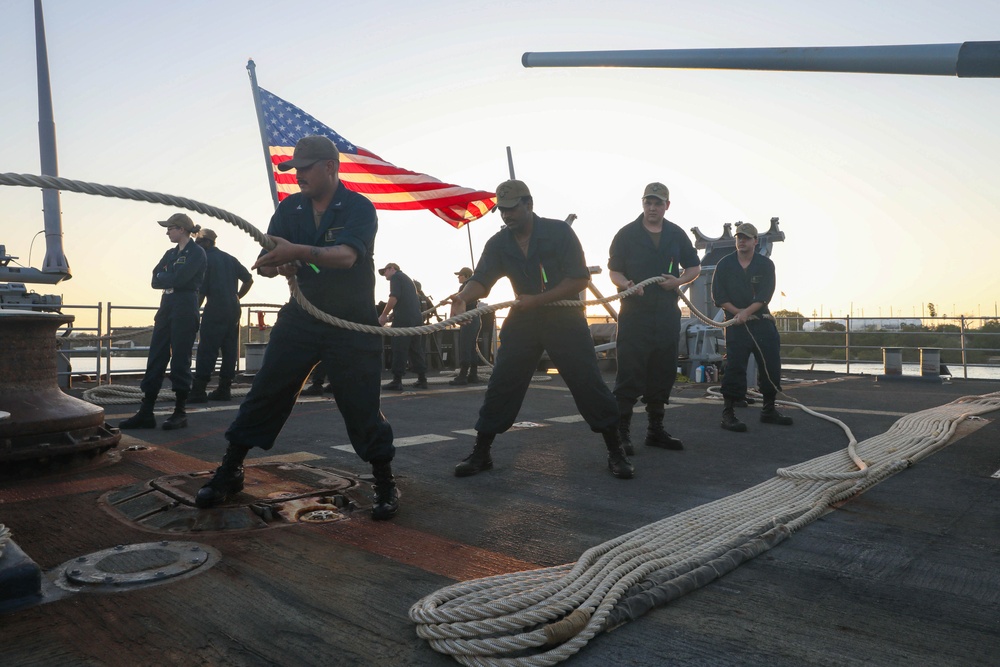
(875, 368)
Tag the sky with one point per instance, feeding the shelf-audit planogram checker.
(885, 186)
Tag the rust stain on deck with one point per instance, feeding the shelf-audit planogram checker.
(425, 551)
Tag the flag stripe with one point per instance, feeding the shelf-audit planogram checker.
(387, 186)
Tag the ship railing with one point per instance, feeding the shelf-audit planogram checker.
(964, 341)
(71, 338)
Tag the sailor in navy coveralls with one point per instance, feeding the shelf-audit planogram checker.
(179, 274)
(226, 282)
(743, 286)
(649, 321)
(404, 307)
(545, 263)
(325, 236)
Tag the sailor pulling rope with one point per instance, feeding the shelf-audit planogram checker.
(119, 395)
(566, 605)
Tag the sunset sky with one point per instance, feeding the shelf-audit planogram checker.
(885, 185)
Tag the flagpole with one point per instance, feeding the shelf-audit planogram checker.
(510, 169)
(252, 69)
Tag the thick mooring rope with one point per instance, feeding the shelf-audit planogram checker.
(542, 617)
(59, 183)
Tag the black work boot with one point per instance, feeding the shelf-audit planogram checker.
(221, 393)
(479, 460)
(618, 462)
(463, 376)
(198, 394)
(657, 437)
(386, 496)
(421, 382)
(179, 418)
(625, 432)
(144, 418)
(474, 374)
(228, 478)
(729, 420)
(396, 384)
(770, 415)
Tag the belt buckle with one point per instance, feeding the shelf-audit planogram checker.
(169, 290)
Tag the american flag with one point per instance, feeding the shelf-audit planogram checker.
(386, 185)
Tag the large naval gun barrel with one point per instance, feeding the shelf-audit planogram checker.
(968, 59)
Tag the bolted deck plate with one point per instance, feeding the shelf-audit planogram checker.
(130, 566)
(274, 494)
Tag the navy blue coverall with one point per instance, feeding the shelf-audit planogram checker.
(406, 313)
(554, 254)
(648, 325)
(468, 337)
(220, 321)
(759, 337)
(179, 274)
(299, 341)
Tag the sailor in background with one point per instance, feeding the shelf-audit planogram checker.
(545, 263)
(403, 309)
(468, 337)
(179, 274)
(226, 282)
(649, 322)
(743, 286)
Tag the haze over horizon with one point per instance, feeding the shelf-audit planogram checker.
(884, 185)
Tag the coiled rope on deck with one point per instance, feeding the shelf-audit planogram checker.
(119, 394)
(542, 617)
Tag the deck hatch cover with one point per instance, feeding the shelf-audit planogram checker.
(130, 565)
